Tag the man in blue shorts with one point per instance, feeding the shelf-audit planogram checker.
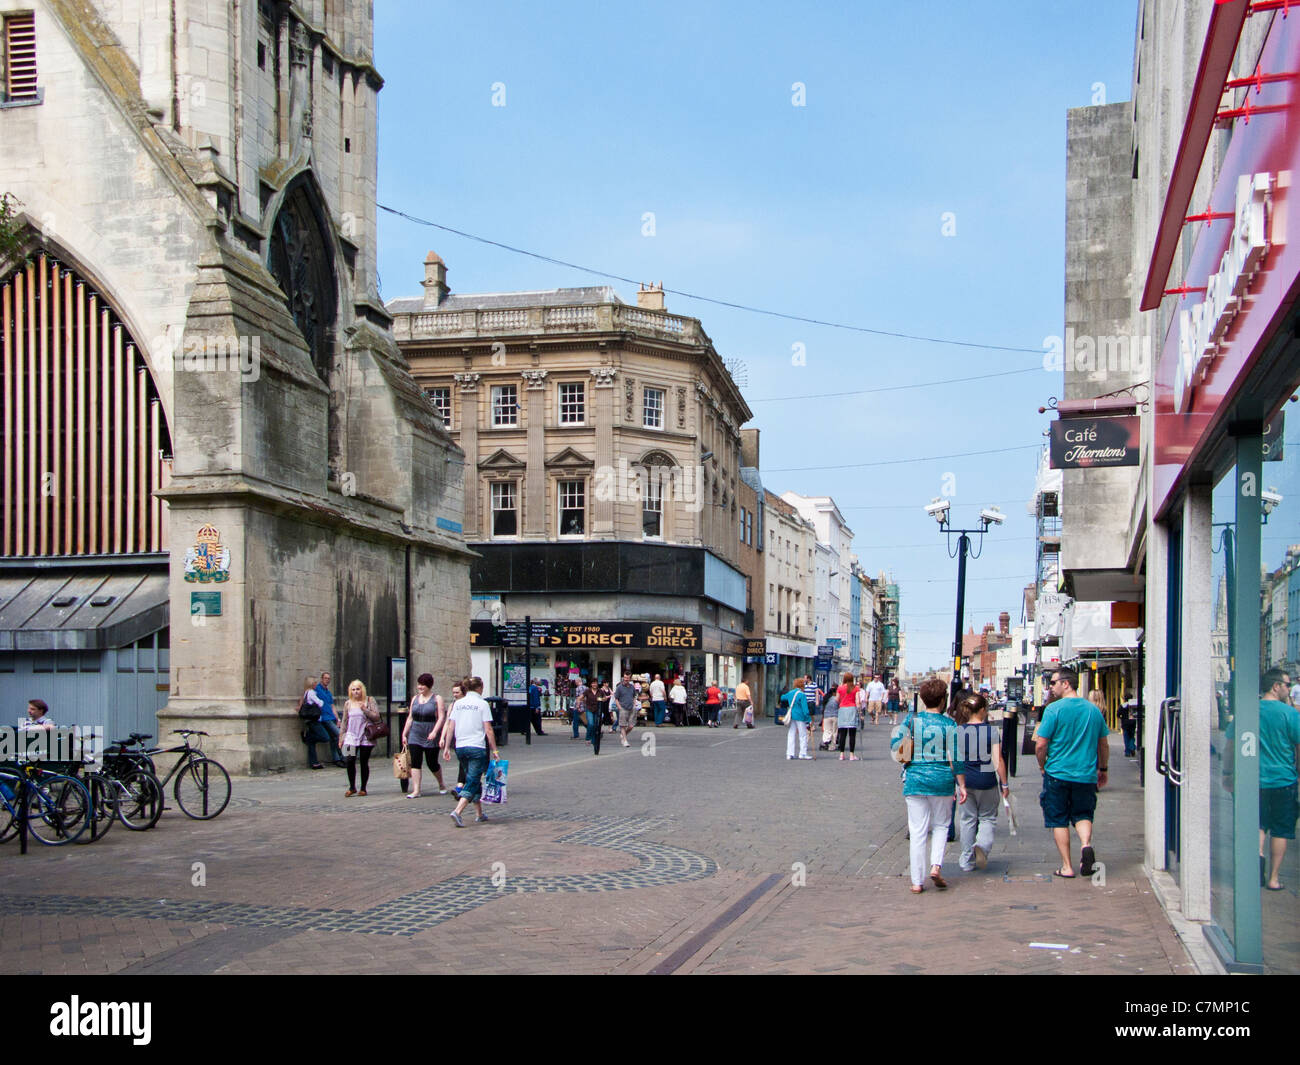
(1279, 756)
(1074, 756)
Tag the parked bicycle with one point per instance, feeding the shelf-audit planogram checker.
(202, 788)
(57, 806)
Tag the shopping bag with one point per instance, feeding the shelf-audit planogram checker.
(402, 764)
(1011, 814)
(494, 782)
(749, 714)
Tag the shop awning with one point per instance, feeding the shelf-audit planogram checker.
(80, 610)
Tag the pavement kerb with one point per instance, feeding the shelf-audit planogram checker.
(1191, 934)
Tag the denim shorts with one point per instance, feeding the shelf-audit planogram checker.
(474, 760)
(1279, 809)
(1066, 802)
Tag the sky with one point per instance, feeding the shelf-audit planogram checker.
(915, 184)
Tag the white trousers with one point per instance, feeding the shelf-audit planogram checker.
(800, 729)
(976, 819)
(927, 816)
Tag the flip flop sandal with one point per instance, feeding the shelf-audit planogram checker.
(1270, 887)
(1064, 876)
(1088, 862)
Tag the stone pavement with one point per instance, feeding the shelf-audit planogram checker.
(694, 850)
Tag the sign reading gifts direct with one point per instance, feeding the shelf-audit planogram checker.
(1095, 443)
(585, 634)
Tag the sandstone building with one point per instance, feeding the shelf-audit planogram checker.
(602, 477)
(218, 474)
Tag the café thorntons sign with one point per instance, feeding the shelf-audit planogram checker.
(1095, 443)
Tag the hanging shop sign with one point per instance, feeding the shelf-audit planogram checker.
(545, 634)
(755, 648)
(1095, 443)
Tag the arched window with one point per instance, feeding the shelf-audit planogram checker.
(83, 440)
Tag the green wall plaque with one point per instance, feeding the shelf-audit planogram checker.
(205, 604)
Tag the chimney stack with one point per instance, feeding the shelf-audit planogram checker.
(435, 280)
(651, 296)
(1004, 623)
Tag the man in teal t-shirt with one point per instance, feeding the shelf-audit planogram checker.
(1279, 753)
(1074, 758)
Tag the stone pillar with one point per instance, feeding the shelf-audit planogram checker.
(469, 416)
(605, 402)
(534, 494)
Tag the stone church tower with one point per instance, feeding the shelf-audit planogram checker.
(196, 180)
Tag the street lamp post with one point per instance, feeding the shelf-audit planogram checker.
(939, 509)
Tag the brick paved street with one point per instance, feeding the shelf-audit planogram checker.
(683, 861)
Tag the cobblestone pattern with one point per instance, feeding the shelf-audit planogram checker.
(415, 911)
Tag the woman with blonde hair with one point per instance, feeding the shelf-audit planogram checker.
(359, 711)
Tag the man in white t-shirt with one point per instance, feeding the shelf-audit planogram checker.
(875, 699)
(469, 732)
(658, 699)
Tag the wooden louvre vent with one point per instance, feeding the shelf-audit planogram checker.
(20, 56)
(83, 441)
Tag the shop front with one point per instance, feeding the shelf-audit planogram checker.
(784, 661)
(563, 654)
(1224, 544)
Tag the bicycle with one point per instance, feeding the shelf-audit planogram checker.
(57, 806)
(202, 788)
(135, 799)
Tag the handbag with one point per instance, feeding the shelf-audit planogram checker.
(376, 727)
(307, 712)
(402, 764)
(902, 754)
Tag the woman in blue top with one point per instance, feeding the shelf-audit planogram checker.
(799, 718)
(929, 781)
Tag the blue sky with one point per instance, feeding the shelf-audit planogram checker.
(915, 112)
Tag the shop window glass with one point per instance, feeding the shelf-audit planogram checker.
(1280, 650)
(1223, 578)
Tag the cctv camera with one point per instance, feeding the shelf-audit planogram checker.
(938, 509)
(992, 516)
(1271, 498)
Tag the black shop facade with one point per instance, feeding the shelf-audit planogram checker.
(562, 613)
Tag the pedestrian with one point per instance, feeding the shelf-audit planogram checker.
(744, 707)
(799, 717)
(422, 735)
(875, 699)
(601, 700)
(658, 699)
(593, 717)
(1128, 719)
(468, 732)
(677, 697)
(1279, 756)
(311, 733)
(712, 705)
(930, 779)
(355, 743)
(577, 712)
(980, 748)
(457, 692)
(893, 695)
(535, 705)
(38, 717)
(846, 695)
(328, 718)
(1073, 756)
(846, 732)
(625, 700)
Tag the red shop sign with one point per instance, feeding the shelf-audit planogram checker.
(1248, 262)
